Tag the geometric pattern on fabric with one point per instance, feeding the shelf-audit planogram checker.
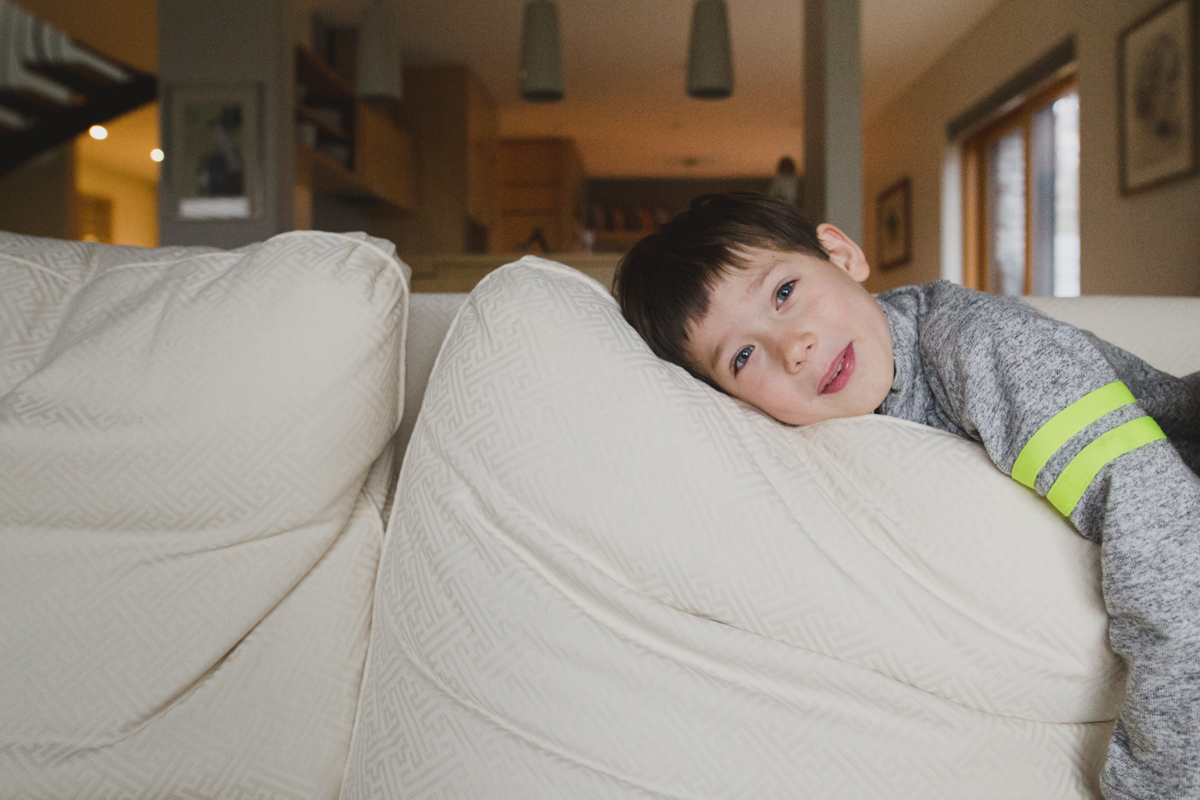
(194, 454)
(605, 579)
(429, 317)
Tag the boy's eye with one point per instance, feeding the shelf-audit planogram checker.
(784, 292)
(740, 359)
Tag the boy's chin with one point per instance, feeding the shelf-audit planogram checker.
(798, 422)
(811, 419)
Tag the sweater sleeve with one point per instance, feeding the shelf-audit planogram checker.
(1052, 412)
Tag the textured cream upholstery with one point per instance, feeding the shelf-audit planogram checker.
(193, 458)
(1162, 331)
(604, 579)
(430, 315)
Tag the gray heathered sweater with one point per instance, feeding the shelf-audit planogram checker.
(995, 370)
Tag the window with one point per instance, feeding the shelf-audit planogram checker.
(1021, 195)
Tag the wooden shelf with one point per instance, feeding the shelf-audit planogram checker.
(323, 84)
(383, 157)
(327, 175)
(618, 241)
(379, 154)
(309, 115)
(541, 188)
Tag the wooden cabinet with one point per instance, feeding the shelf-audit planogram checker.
(482, 142)
(540, 189)
(345, 147)
(383, 157)
(454, 124)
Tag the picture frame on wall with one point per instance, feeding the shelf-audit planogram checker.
(213, 157)
(893, 220)
(1157, 97)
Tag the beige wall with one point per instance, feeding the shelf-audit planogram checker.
(134, 201)
(1145, 244)
(36, 198)
(1148, 243)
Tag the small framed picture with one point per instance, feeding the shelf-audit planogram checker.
(1157, 101)
(213, 158)
(893, 219)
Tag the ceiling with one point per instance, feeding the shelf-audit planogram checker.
(623, 63)
(624, 67)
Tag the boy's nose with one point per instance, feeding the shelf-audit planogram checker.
(796, 350)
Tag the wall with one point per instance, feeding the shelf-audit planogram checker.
(35, 198)
(134, 201)
(1146, 244)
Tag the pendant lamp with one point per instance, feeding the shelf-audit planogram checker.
(710, 65)
(377, 70)
(541, 58)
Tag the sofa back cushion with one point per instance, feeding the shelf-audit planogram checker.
(1162, 331)
(605, 579)
(186, 436)
(429, 317)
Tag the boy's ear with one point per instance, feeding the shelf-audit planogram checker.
(843, 251)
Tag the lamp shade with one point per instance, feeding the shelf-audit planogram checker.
(377, 71)
(541, 57)
(710, 64)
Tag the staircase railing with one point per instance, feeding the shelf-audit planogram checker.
(52, 88)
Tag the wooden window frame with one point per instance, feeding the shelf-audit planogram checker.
(976, 233)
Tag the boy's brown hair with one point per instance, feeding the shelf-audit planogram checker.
(663, 282)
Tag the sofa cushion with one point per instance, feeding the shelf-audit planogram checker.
(1138, 325)
(192, 465)
(605, 579)
(430, 315)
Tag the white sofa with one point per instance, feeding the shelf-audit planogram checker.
(194, 457)
(196, 470)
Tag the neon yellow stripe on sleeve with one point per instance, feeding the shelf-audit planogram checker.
(1084, 467)
(1065, 424)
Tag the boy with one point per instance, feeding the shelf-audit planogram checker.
(749, 297)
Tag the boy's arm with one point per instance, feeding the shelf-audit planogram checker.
(1051, 412)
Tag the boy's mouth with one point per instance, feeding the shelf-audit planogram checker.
(839, 371)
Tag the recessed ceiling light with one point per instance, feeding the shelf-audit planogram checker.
(98, 132)
(156, 155)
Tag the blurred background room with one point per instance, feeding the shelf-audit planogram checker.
(1022, 146)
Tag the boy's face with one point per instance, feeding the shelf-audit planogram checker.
(796, 336)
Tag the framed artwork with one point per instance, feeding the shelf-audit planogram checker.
(213, 157)
(893, 220)
(1156, 97)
